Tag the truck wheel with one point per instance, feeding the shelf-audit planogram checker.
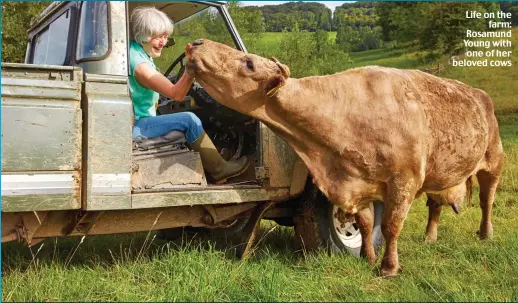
(346, 236)
(231, 231)
(317, 225)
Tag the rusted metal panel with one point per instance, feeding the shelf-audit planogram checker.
(82, 222)
(9, 221)
(299, 178)
(207, 196)
(41, 122)
(263, 142)
(147, 219)
(76, 223)
(278, 157)
(108, 142)
(153, 219)
(262, 173)
(31, 221)
(22, 191)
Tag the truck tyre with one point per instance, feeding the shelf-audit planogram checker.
(230, 232)
(316, 226)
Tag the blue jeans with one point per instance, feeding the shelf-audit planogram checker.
(186, 122)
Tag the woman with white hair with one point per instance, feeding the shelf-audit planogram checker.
(151, 29)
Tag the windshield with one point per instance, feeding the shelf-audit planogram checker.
(207, 23)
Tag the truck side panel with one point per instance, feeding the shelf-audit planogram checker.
(41, 137)
(108, 140)
(281, 165)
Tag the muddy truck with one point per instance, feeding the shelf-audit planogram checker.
(70, 166)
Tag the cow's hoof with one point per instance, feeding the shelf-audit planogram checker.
(391, 272)
(430, 239)
(488, 235)
(485, 232)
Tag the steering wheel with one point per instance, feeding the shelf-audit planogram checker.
(180, 60)
(201, 97)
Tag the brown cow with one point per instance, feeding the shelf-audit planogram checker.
(370, 133)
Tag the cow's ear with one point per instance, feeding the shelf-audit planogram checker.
(284, 69)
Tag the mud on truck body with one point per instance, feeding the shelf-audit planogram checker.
(71, 168)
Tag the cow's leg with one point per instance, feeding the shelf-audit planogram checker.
(488, 183)
(365, 220)
(398, 200)
(434, 211)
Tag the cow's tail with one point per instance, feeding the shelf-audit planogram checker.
(469, 189)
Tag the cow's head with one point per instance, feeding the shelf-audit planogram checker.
(238, 80)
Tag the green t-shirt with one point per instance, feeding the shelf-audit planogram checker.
(144, 99)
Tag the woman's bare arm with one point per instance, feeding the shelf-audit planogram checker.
(150, 78)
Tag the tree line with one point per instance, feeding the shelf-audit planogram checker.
(437, 27)
(313, 16)
(434, 26)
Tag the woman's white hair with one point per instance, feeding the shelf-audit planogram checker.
(148, 22)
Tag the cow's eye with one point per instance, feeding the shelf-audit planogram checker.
(250, 65)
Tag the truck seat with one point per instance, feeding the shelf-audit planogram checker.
(173, 137)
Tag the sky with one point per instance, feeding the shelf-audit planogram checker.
(330, 4)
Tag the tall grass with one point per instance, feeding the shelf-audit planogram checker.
(458, 267)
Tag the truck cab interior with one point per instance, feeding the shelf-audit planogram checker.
(233, 134)
(98, 42)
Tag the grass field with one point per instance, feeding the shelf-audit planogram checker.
(458, 267)
(269, 42)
